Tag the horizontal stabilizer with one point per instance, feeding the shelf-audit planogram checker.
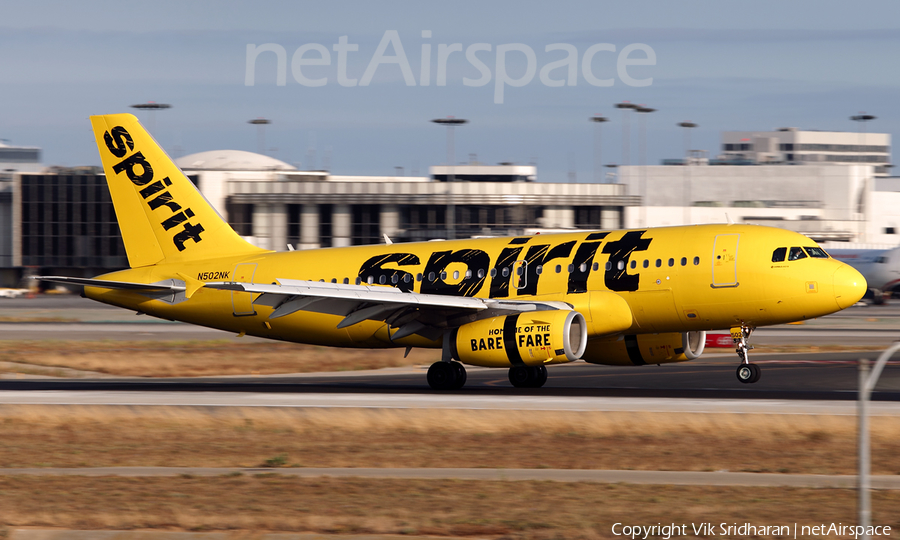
(104, 284)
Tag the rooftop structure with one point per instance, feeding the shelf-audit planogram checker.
(794, 146)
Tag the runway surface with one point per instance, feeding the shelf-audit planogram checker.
(680, 478)
(808, 376)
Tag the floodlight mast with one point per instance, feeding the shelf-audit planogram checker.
(260, 124)
(686, 191)
(151, 106)
(598, 120)
(450, 219)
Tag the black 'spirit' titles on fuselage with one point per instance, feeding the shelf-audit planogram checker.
(435, 281)
(140, 172)
(470, 284)
(373, 267)
(620, 280)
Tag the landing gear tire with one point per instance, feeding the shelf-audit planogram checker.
(528, 376)
(748, 373)
(442, 376)
(461, 375)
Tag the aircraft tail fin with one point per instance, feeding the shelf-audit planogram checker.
(162, 216)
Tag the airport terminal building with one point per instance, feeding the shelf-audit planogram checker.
(62, 221)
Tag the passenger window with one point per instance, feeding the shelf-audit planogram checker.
(582, 268)
(481, 273)
(684, 261)
(633, 264)
(520, 270)
(558, 268)
(468, 274)
(621, 265)
(456, 274)
(571, 268)
(395, 279)
(696, 261)
(609, 266)
(796, 254)
(539, 269)
(816, 252)
(334, 280)
(505, 271)
(646, 263)
(671, 262)
(346, 281)
(382, 280)
(596, 266)
(658, 263)
(419, 277)
(406, 278)
(443, 275)
(493, 272)
(778, 254)
(431, 276)
(358, 281)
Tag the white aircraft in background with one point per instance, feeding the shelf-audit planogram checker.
(880, 267)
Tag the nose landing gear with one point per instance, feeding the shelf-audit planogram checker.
(747, 373)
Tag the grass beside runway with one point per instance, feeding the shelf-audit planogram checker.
(196, 358)
(220, 357)
(509, 510)
(103, 436)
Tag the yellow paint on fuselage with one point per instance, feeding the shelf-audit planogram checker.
(672, 297)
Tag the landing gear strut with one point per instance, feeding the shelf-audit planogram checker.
(747, 373)
(528, 376)
(446, 376)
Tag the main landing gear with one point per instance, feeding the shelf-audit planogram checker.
(446, 376)
(528, 376)
(747, 373)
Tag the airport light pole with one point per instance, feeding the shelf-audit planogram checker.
(625, 106)
(862, 118)
(687, 171)
(260, 124)
(643, 157)
(598, 166)
(450, 123)
(151, 106)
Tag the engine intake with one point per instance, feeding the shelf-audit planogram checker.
(531, 338)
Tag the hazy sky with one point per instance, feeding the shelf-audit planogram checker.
(723, 65)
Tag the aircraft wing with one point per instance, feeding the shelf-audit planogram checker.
(409, 312)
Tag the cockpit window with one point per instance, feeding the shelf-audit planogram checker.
(881, 260)
(796, 254)
(816, 252)
(778, 254)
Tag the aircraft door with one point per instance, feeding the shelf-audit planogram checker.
(724, 261)
(242, 302)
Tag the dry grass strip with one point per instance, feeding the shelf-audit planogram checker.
(509, 510)
(202, 358)
(99, 436)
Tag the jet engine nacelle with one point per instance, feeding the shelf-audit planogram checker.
(533, 338)
(643, 349)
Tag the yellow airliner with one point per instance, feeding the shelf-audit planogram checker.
(626, 297)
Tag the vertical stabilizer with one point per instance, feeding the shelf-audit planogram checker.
(162, 216)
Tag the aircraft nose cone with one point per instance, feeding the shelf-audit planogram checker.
(849, 286)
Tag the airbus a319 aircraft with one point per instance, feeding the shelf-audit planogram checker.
(621, 297)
